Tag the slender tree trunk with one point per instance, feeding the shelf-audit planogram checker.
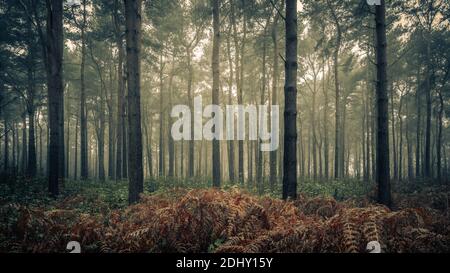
(418, 127)
(410, 157)
(120, 92)
(191, 106)
(337, 149)
(24, 158)
(230, 102)
(32, 165)
(290, 112)
(161, 120)
(427, 160)
(109, 103)
(171, 145)
(215, 89)
(67, 147)
(273, 176)
(325, 127)
(439, 137)
(259, 170)
(75, 168)
(84, 164)
(148, 138)
(133, 38)
(239, 80)
(394, 142)
(383, 179)
(6, 153)
(41, 151)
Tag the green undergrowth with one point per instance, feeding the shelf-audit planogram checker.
(100, 195)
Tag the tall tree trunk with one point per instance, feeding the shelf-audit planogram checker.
(383, 179)
(133, 38)
(84, 164)
(439, 137)
(120, 93)
(259, 169)
(75, 168)
(394, 141)
(109, 104)
(191, 106)
(290, 112)
(171, 144)
(215, 89)
(32, 167)
(41, 151)
(161, 119)
(273, 176)
(337, 146)
(325, 126)
(66, 172)
(239, 80)
(418, 126)
(101, 139)
(54, 57)
(427, 161)
(231, 156)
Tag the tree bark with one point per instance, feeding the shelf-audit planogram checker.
(84, 164)
(290, 112)
(133, 39)
(231, 157)
(215, 89)
(54, 56)
(337, 147)
(120, 93)
(383, 178)
(273, 176)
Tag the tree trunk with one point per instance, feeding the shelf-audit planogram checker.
(109, 104)
(325, 127)
(428, 117)
(75, 168)
(230, 102)
(161, 120)
(31, 170)
(191, 106)
(66, 172)
(133, 38)
(171, 145)
(337, 147)
(84, 171)
(383, 179)
(410, 157)
(239, 81)
(439, 137)
(259, 169)
(273, 176)
(215, 89)
(418, 126)
(54, 55)
(290, 112)
(394, 141)
(6, 153)
(120, 93)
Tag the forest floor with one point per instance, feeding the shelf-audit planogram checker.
(189, 216)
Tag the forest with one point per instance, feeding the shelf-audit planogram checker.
(224, 126)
